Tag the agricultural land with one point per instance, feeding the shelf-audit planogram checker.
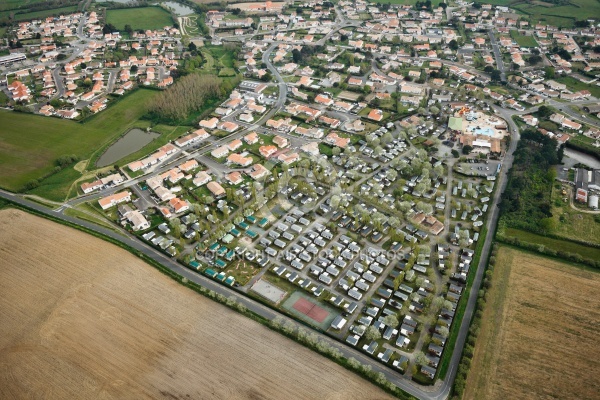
(111, 326)
(340, 168)
(30, 145)
(538, 335)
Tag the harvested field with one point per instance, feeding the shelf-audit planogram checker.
(538, 338)
(81, 318)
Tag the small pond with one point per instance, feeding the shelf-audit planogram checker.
(178, 8)
(131, 142)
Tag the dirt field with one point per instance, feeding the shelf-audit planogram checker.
(80, 318)
(539, 336)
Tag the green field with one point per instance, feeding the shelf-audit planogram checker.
(13, 4)
(139, 18)
(403, 2)
(585, 144)
(551, 14)
(573, 224)
(522, 40)
(592, 253)
(30, 144)
(576, 85)
(39, 14)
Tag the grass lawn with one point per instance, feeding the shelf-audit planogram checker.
(576, 85)
(560, 15)
(226, 72)
(41, 13)
(522, 40)
(556, 244)
(402, 2)
(56, 186)
(460, 309)
(83, 212)
(30, 144)
(575, 225)
(584, 143)
(139, 18)
(538, 331)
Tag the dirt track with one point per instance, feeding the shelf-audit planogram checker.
(80, 318)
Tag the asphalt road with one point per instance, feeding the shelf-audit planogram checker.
(497, 55)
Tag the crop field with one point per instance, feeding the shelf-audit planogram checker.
(110, 326)
(538, 337)
(139, 18)
(30, 144)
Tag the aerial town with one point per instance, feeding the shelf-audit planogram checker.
(345, 164)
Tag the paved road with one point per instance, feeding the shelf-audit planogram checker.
(497, 55)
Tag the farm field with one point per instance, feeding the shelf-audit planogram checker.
(30, 144)
(139, 18)
(538, 335)
(110, 326)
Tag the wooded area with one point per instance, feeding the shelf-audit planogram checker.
(184, 97)
(526, 200)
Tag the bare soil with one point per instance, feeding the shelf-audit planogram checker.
(81, 318)
(539, 336)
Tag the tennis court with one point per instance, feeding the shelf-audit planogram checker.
(307, 308)
(311, 310)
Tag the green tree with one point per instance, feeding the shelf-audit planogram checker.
(391, 321)
(421, 358)
(372, 333)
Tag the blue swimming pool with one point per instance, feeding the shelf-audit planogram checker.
(483, 131)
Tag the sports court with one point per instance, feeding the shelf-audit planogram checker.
(269, 291)
(309, 309)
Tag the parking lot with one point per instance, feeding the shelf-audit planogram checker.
(483, 168)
